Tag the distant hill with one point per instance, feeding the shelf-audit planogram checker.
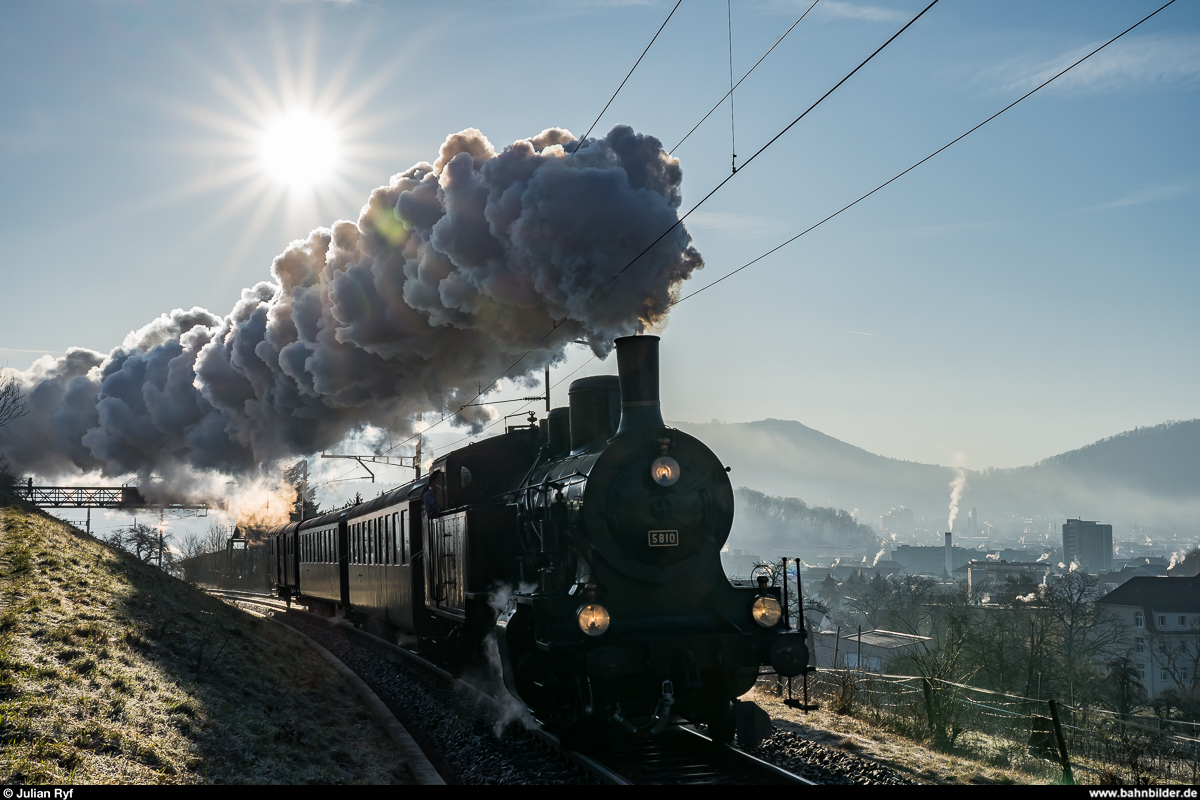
(1148, 475)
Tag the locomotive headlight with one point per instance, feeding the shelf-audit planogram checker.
(767, 611)
(594, 619)
(665, 471)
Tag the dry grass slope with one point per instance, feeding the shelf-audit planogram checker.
(113, 672)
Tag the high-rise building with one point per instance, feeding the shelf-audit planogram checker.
(1089, 544)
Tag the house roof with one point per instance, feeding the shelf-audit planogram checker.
(886, 640)
(1157, 594)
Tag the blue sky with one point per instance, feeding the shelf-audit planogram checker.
(1029, 291)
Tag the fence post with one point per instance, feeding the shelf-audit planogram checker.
(1068, 778)
(930, 717)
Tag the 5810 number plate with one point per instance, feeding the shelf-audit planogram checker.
(664, 538)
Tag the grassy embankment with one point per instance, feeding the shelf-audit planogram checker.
(906, 756)
(113, 672)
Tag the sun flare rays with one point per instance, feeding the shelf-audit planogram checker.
(282, 140)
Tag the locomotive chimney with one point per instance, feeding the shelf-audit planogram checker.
(637, 364)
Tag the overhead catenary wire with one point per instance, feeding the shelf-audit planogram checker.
(717, 104)
(580, 142)
(595, 122)
(680, 220)
(944, 147)
(732, 126)
(770, 142)
(851, 204)
(559, 382)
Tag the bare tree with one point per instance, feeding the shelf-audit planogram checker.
(215, 538)
(1125, 688)
(146, 542)
(943, 665)
(1086, 635)
(12, 407)
(12, 402)
(1177, 656)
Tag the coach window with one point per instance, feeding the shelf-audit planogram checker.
(396, 559)
(376, 527)
(405, 543)
(389, 538)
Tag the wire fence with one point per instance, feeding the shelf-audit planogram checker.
(1016, 732)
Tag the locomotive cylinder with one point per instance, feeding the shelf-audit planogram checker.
(637, 363)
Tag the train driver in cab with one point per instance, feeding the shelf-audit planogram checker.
(432, 509)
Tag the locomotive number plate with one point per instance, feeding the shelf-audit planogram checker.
(664, 538)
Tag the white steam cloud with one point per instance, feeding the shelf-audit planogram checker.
(451, 272)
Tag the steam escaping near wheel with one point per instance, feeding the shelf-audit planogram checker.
(452, 271)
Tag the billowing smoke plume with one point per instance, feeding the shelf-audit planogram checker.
(956, 489)
(452, 271)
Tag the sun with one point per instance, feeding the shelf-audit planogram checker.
(297, 146)
(300, 150)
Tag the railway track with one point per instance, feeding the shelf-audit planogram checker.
(681, 756)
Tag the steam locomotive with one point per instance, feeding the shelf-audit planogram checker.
(585, 546)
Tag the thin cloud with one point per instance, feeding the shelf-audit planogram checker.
(860, 333)
(1137, 61)
(1150, 194)
(732, 223)
(956, 227)
(832, 9)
